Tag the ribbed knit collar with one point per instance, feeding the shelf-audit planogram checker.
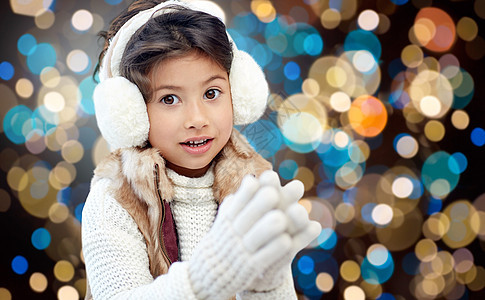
(205, 181)
(192, 190)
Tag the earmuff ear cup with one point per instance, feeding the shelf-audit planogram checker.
(121, 113)
(249, 89)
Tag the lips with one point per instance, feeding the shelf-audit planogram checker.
(197, 145)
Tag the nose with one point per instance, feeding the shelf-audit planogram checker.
(196, 115)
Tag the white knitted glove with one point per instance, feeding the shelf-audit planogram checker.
(247, 237)
(300, 228)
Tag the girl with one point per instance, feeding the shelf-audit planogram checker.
(176, 211)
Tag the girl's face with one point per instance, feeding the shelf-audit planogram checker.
(190, 112)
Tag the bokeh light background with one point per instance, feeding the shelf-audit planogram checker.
(377, 106)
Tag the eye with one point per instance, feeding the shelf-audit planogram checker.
(170, 100)
(212, 94)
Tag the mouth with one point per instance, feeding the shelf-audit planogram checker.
(196, 143)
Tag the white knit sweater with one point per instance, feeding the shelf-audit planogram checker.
(115, 251)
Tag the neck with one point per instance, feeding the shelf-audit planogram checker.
(186, 171)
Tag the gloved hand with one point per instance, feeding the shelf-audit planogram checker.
(248, 236)
(301, 229)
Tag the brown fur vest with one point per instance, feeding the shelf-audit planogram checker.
(140, 181)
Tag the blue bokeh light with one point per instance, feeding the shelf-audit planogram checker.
(41, 238)
(6, 70)
(292, 70)
(478, 137)
(264, 136)
(410, 264)
(434, 205)
(288, 169)
(377, 274)
(399, 2)
(86, 87)
(14, 122)
(26, 44)
(363, 40)
(306, 264)
(327, 239)
(457, 163)
(113, 2)
(20, 264)
(41, 56)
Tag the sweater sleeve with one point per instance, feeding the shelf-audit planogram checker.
(116, 256)
(285, 291)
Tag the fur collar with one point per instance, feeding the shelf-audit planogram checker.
(134, 185)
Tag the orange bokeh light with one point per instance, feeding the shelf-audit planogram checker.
(435, 29)
(367, 116)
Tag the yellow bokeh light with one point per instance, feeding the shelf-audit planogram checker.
(306, 176)
(17, 179)
(72, 151)
(310, 87)
(431, 94)
(336, 77)
(5, 200)
(341, 139)
(29, 8)
(50, 77)
(412, 56)
(460, 119)
(54, 101)
(344, 212)
(67, 292)
(467, 29)
(460, 233)
(38, 282)
(64, 271)
(58, 212)
(24, 88)
(324, 282)
(330, 18)
(434, 130)
(5, 294)
(264, 10)
(340, 101)
(354, 292)
(436, 226)
(350, 271)
(44, 19)
(479, 282)
(426, 250)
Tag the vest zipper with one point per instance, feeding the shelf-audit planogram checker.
(162, 204)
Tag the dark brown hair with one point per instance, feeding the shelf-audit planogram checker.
(170, 34)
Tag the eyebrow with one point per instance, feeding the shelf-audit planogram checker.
(178, 88)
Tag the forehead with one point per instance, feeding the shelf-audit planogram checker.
(191, 60)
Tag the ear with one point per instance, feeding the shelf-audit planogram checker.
(121, 113)
(249, 88)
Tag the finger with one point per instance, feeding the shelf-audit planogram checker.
(265, 200)
(266, 229)
(297, 218)
(270, 178)
(249, 186)
(272, 252)
(303, 238)
(292, 192)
